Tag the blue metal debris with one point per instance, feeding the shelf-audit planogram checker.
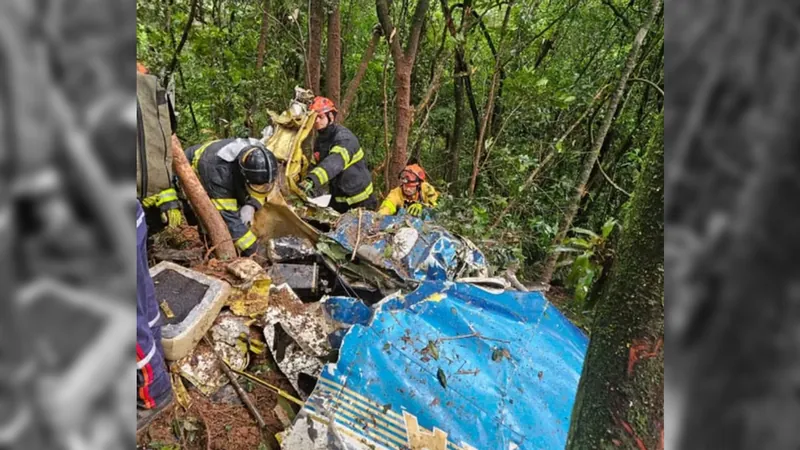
(447, 366)
(434, 253)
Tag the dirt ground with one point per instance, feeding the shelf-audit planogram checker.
(221, 426)
(209, 424)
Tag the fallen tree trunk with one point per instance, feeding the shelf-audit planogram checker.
(209, 217)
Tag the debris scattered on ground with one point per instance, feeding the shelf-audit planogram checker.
(201, 368)
(252, 302)
(297, 337)
(302, 278)
(290, 248)
(246, 270)
(450, 359)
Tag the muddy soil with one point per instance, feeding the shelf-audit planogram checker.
(230, 426)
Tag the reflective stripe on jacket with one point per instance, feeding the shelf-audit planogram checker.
(342, 165)
(226, 187)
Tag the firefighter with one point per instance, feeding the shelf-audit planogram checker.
(155, 187)
(237, 175)
(340, 162)
(153, 388)
(413, 194)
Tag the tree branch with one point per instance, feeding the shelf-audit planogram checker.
(618, 14)
(541, 33)
(416, 28)
(385, 18)
(433, 88)
(352, 87)
(184, 37)
(642, 80)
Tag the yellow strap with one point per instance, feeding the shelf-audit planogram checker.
(198, 153)
(260, 198)
(225, 204)
(321, 174)
(246, 241)
(360, 197)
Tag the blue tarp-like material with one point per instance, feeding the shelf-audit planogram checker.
(436, 254)
(448, 366)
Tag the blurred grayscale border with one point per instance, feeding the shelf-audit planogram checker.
(732, 243)
(67, 232)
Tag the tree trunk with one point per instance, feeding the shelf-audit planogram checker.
(184, 37)
(315, 45)
(201, 205)
(487, 115)
(262, 38)
(402, 124)
(458, 124)
(333, 66)
(460, 80)
(591, 159)
(352, 87)
(620, 396)
(260, 52)
(404, 60)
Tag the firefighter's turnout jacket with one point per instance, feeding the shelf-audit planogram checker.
(217, 166)
(427, 195)
(155, 124)
(342, 165)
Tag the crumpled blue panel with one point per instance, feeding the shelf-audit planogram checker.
(436, 255)
(510, 363)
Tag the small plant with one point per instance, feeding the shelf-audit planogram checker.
(587, 252)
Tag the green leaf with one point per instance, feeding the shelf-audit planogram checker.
(585, 231)
(579, 243)
(442, 377)
(608, 227)
(542, 82)
(560, 146)
(432, 350)
(569, 99)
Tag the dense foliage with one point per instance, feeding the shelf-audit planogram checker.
(555, 56)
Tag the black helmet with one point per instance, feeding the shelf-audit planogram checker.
(258, 165)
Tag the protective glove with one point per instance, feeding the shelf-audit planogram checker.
(306, 186)
(172, 218)
(246, 213)
(415, 209)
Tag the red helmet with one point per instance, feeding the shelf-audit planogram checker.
(413, 173)
(322, 105)
(412, 176)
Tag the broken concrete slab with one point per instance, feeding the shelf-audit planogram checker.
(197, 313)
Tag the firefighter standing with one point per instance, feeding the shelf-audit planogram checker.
(237, 175)
(340, 162)
(155, 119)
